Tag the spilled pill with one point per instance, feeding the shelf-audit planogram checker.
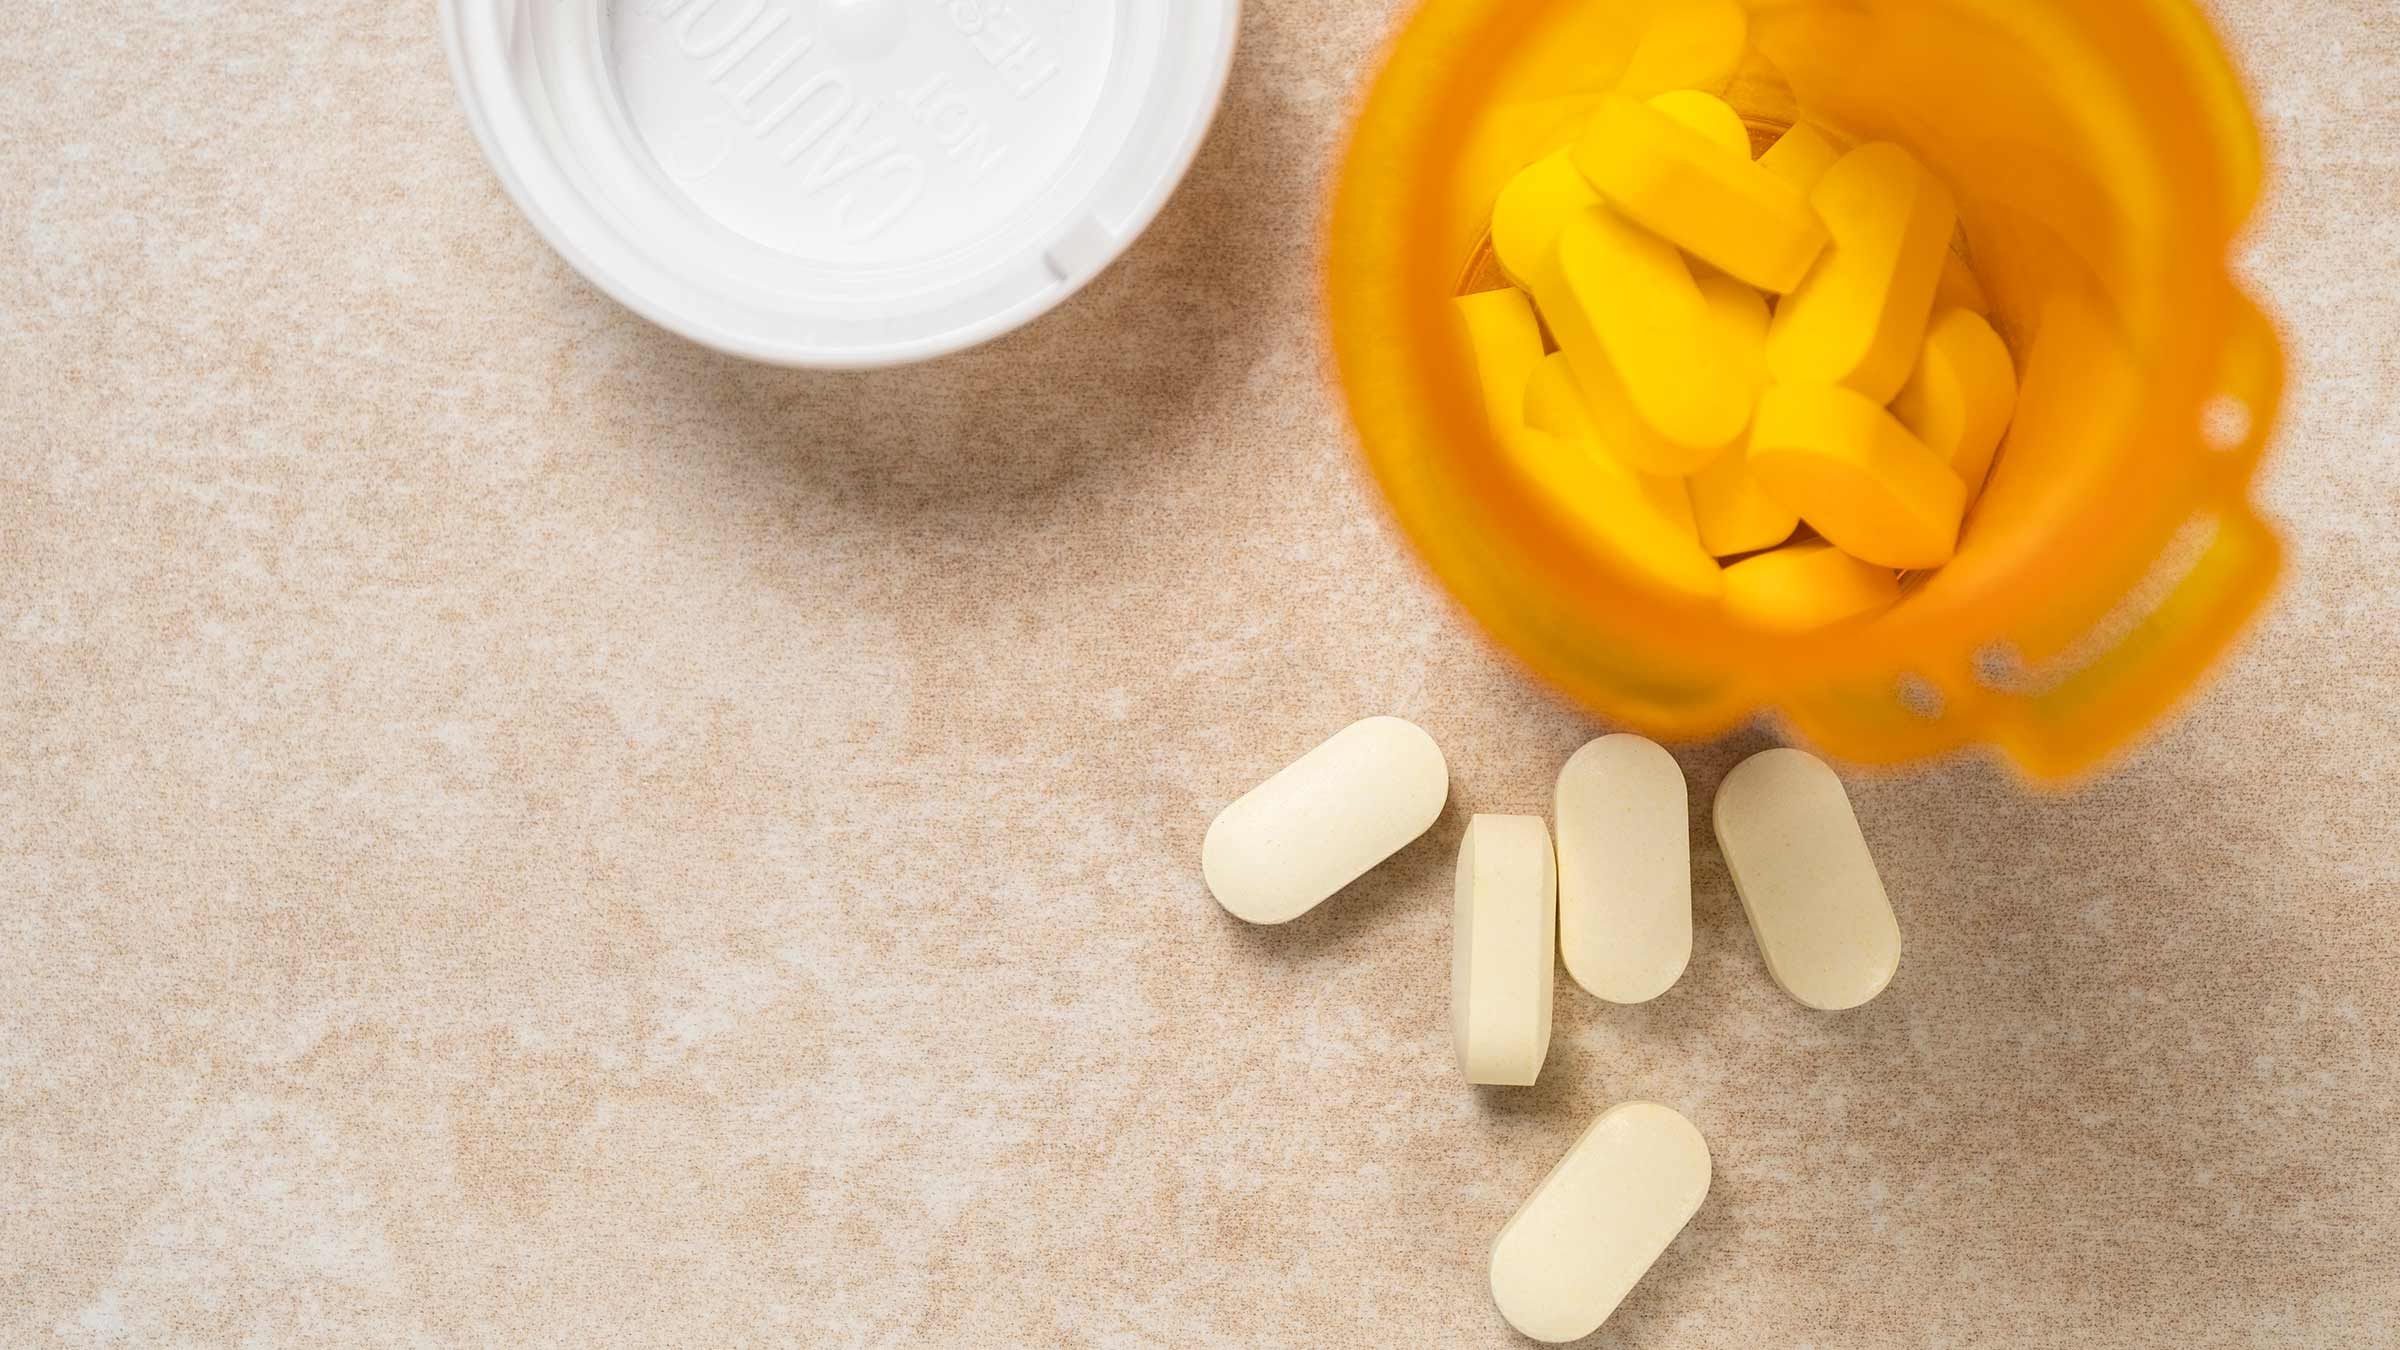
(1624, 869)
(1507, 341)
(1962, 395)
(1807, 881)
(1288, 844)
(1624, 297)
(1851, 470)
(1805, 587)
(1598, 1222)
(1859, 317)
(1501, 950)
(1704, 197)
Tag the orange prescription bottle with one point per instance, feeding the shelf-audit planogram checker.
(2103, 157)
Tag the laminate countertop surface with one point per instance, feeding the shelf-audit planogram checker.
(518, 830)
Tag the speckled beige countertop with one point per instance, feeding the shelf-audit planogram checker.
(518, 831)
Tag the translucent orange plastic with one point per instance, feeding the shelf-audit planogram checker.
(2103, 157)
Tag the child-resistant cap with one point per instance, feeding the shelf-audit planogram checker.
(840, 183)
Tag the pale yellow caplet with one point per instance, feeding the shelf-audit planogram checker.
(1859, 318)
(1506, 339)
(1852, 471)
(1700, 194)
(1962, 396)
(1806, 587)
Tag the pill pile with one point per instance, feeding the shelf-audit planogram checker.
(1612, 898)
(1769, 385)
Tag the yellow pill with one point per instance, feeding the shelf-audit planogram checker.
(1609, 421)
(1709, 115)
(1623, 305)
(1553, 403)
(1735, 514)
(1684, 186)
(1507, 342)
(1961, 398)
(1689, 46)
(1959, 287)
(1806, 587)
(1714, 118)
(1859, 318)
(1639, 522)
(1531, 211)
(1731, 510)
(1802, 156)
(1851, 470)
(1737, 330)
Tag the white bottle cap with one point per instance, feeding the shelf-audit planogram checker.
(840, 183)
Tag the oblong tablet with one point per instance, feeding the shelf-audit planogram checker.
(1859, 318)
(1852, 470)
(1642, 523)
(1294, 840)
(1595, 1225)
(1507, 342)
(1554, 403)
(1689, 46)
(1611, 421)
(1624, 869)
(1806, 587)
(1707, 114)
(1802, 156)
(1531, 211)
(1962, 396)
(1704, 194)
(1801, 866)
(1623, 295)
(1735, 514)
(1501, 950)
